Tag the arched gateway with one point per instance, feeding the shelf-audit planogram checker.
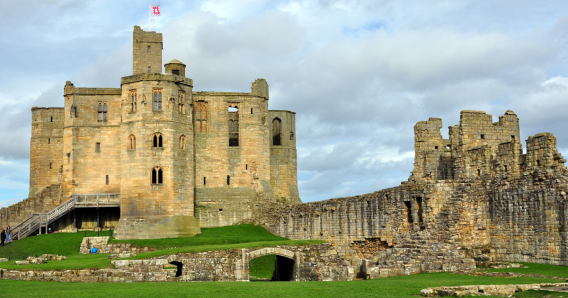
(286, 262)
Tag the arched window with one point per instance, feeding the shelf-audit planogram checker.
(157, 140)
(200, 111)
(131, 142)
(182, 142)
(157, 176)
(158, 99)
(276, 132)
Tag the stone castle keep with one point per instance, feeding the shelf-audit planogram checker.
(179, 159)
(155, 159)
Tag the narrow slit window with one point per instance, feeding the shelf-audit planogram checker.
(182, 142)
(228, 180)
(106, 179)
(204, 180)
(505, 168)
(154, 176)
(98, 147)
(149, 69)
(478, 172)
(251, 111)
(131, 142)
(100, 109)
(149, 49)
(233, 126)
(49, 141)
(105, 112)
(246, 167)
(50, 166)
(51, 119)
(133, 99)
(160, 176)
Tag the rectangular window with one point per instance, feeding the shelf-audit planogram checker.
(149, 69)
(157, 95)
(149, 49)
(482, 137)
(175, 72)
(98, 147)
(107, 179)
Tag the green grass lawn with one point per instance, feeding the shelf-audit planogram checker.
(400, 286)
(262, 267)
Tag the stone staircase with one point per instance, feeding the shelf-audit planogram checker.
(36, 221)
(419, 253)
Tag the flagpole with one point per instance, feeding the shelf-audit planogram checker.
(150, 18)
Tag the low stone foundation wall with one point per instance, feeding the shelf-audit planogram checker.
(109, 248)
(484, 290)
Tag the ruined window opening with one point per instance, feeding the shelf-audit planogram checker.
(104, 112)
(49, 140)
(157, 140)
(158, 100)
(233, 126)
(157, 176)
(175, 72)
(50, 166)
(51, 119)
(420, 212)
(220, 210)
(200, 111)
(276, 132)
(131, 142)
(386, 197)
(436, 147)
(408, 213)
(538, 162)
(204, 180)
(482, 137)
(513, 137)
(181, 102)
(228, 180)
(505, 168)
(149, 49)
(98, 148)
(478, 172)
(149, 69)
(182, 142)
(106, 179)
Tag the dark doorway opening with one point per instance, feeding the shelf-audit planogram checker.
(179, 266)
(408, 212)
(283, 269)
(271, 268)
(420, 213)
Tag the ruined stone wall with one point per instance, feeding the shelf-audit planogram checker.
(42, 201)
(229, 176)
(283, 157)
(433, 153)
(46, 148)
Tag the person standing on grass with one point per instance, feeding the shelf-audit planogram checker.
(3, 237)
(8, 234)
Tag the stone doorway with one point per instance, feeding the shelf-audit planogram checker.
(272, 264)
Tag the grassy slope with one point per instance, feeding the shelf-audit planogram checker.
(400, 286)
(67, 244)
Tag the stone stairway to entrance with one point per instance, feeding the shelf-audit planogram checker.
(36, 221)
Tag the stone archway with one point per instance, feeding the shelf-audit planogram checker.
(286, 262)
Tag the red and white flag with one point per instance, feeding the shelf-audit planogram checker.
(155, 10)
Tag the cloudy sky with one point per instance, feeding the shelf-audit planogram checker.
(359, 74)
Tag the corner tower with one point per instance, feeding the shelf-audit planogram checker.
(146, 51)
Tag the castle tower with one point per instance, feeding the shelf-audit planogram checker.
(146, 51)
(157, 181)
